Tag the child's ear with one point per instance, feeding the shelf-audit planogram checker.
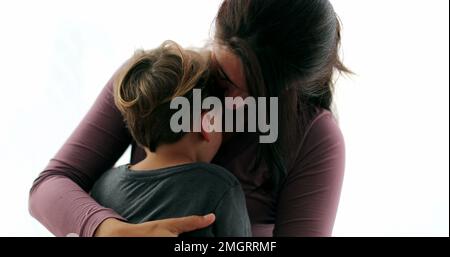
(207, 126)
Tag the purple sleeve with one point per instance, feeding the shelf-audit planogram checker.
(58, 197)
(309, 199)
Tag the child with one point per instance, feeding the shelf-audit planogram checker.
(175, 179)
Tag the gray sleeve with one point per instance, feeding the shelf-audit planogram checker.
(231, 215)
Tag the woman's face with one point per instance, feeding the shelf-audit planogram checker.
(230, 72)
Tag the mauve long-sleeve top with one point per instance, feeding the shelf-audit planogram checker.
(305, 206)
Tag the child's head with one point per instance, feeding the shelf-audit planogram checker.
(145, 87)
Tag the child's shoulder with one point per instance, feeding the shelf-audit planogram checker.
(217, 173)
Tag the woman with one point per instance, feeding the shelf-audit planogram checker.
(272, 48)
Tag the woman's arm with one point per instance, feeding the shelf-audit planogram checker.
(58, 198)
(309, 199)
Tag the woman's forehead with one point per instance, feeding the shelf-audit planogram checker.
(230, 64)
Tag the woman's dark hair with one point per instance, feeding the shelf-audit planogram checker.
(289, 49)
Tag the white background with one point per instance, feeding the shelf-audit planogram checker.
(55, 57)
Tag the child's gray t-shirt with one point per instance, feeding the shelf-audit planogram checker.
(184, 190)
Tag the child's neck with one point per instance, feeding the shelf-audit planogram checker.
(165, 157)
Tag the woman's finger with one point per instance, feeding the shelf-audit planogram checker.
(187, 224)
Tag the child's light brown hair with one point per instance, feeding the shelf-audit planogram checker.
(149, 81)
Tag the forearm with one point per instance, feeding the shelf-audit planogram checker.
(59, 197)
(63, 207)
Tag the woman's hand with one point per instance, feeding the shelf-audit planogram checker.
(158, 228)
